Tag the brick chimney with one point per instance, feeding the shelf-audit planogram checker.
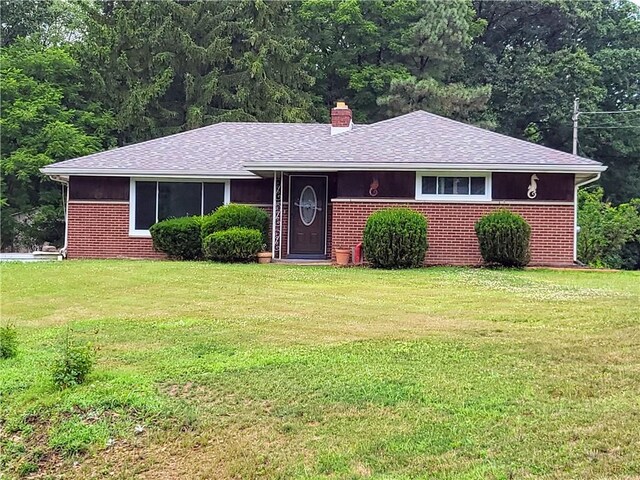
(341, 118)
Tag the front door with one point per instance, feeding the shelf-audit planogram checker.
(307, 216)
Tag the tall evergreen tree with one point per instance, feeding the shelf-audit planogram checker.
(166, 66)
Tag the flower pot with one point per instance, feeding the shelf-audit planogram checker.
(264, 257)
(342, 256)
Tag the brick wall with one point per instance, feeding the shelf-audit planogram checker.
(452, 238)
(101, 230)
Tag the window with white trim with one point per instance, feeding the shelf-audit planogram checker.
(153, 201)
(453, 186)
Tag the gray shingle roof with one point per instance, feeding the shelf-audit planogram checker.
(233, 149)
(424, 138)
(219, 150)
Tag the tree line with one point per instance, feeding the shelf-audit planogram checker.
(79, 76)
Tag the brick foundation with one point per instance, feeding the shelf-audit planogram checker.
(101, 230)
(451, 234)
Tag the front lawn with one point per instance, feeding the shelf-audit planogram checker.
(249, 371)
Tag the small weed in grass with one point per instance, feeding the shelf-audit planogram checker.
(73, 363)
(8, 341)
(74, 436)
(27, 468)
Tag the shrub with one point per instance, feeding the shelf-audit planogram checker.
(8, 342)
(504, 239)
(179, 238)
(607, 232)
(235, 215)
(73, 362)
(395, 238)
(236, 244)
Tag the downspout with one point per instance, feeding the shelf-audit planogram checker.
(65, 206)
(576, 228)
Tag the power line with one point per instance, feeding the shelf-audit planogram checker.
(612, 112)
(576, 116)
(628, 126)
(616, 124)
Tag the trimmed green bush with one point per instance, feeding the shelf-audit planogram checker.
(504, 239)
(395, 238)
(236, 244)
(236, 215)
(179, 238)
(8, 342)
(73, 362)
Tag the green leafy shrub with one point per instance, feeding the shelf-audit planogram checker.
(235, 215)
(395, 238)
(504, 239)
(179, 238)
(73, 362)
(236, 244)
(8, 342)
(607, 232)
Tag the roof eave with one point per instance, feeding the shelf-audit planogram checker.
(113, 172)
(494, 167)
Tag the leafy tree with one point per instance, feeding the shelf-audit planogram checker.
(615, 139)
(52, 22)
(355, 45)
(374, 53)
(539, 55)
(44, 120)
(24, 18)
(605, 229)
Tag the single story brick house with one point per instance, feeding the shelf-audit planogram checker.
(320, 183)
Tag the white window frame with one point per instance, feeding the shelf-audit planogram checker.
(132, 197)
(442, 197)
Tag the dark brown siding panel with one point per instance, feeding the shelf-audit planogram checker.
(389, 184)
(259, 191)
(99, 188)
(551, 186)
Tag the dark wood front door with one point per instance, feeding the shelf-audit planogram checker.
(308, 216)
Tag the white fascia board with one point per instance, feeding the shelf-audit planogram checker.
(475, 167)
(105, 172)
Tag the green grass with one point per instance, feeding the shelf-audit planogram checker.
(249, 371)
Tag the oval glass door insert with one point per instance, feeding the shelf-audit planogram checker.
(308, 205)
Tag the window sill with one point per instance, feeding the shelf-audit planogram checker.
(453, 198)
(140, 234)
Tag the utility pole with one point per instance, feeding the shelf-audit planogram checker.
(576, 113)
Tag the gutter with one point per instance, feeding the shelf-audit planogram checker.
(118, 172)
(65, 204)
(407, 166)
(576, 227)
